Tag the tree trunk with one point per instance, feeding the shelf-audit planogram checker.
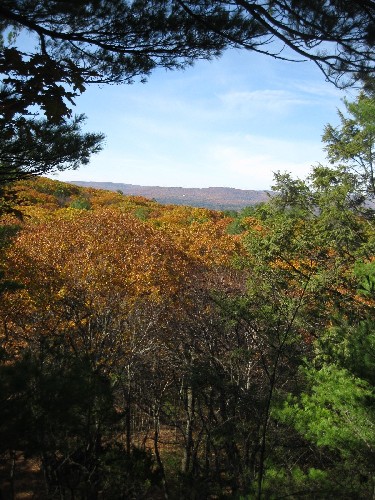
(190, 403)
(157, 454)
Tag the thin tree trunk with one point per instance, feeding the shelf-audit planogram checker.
(186, 461)
(12, 473)
(157, 454)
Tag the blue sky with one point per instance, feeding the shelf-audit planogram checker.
(229, 122)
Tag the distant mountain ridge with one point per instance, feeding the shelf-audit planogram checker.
(216, 198)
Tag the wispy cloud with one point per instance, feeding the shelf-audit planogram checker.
(316, 89)
(264, 97)
(255, 159)
(267, 99)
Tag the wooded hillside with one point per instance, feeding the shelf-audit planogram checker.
(214, 198)
(152, 351)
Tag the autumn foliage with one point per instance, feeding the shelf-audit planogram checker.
(146, 350)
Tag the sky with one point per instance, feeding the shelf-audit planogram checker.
(230, 122)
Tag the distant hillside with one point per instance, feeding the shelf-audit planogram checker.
(217, 198)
